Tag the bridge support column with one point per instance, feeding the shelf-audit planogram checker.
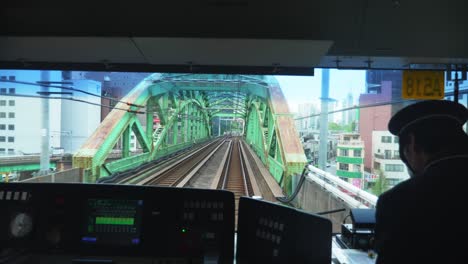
(175, 131)
(126, 143)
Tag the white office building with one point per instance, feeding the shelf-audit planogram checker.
(386, 157)
(21, 117)
(70, 123)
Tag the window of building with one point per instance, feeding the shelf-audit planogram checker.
(2, 139)
(2, 90)
(388, 154)
(3, 77)
(2, 127)
(11, 102)
(11, 127)
(2, 150)
(357, 153)
(396, 140)
(11, 150)
(11, 139)
(393, 182)
(357, 168)
(396, 154)
(394, 167)
(386, 139)
(376, 165)
(12, 90)
(2, 102)
(2, 115)
(12, 78)
(344, 152)
(344, 166)
(11, 115)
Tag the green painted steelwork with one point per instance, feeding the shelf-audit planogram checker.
(350, 160)
(189, 107)
(348, 174)
(23, 167)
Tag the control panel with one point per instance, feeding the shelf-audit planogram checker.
(97, 223)
(273, 233)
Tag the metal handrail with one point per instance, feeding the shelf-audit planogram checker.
(368, 197)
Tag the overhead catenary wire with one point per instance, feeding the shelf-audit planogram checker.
(72, 99)
(373, 105)
(39, 83)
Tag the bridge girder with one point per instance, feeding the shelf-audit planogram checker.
(189, 102)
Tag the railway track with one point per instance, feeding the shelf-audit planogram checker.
(180, 174)
(235, 177)
(172, 172)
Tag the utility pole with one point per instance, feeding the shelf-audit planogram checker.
(45, 131)
(323, 144)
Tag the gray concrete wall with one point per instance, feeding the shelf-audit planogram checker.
(67, 176)
(313, 198)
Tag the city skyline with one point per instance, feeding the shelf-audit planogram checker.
(307, 89)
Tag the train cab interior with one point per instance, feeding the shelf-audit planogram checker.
(359, 60)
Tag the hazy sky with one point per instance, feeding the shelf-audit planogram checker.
(300, 89)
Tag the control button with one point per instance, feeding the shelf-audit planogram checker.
(208, 205)
(275, 226)
(8, 196)
(24, 196)
(1, 195)
(185, 216)
(203, 204)
(215, 205)
(281, 227)
(275, 252)
(258, 233)
(191, 216)
(220, 216)
(220, 205)
(16, 196)
(210, 235)
(260, 221)
(214, 216)
(197, 204)
(278, 240)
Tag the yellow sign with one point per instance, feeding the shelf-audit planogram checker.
(423, 85)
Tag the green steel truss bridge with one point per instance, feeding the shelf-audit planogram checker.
(189, 107)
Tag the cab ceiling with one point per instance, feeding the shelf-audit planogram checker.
(245, 36)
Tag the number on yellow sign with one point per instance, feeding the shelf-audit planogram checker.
(423, 84)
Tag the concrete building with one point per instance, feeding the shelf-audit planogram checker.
(374, 118)
(79, 120)
(307, 124)
(311, 147)
(386, 158)
(20, 117)
(350, 159)
(348, 117)
(382, 86)
(70, 122)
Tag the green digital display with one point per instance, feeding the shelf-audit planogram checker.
(114, 221)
